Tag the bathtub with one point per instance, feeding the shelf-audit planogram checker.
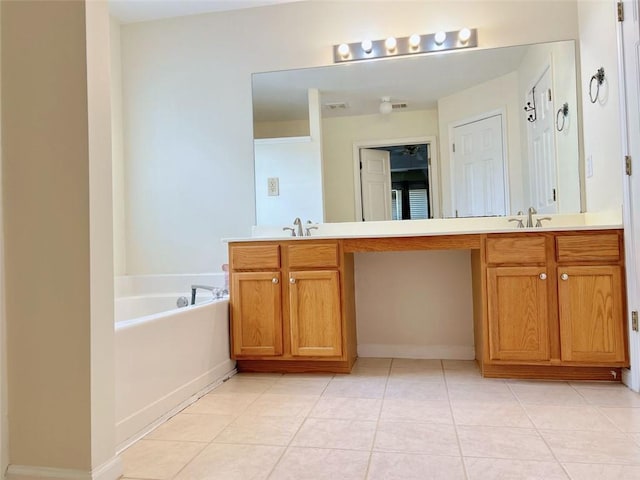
(166, 357)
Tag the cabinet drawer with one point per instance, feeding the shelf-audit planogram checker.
(246, 257)
(520, 250)
(313, 255)
(602, 246)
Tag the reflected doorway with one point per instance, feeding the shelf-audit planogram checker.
(394, 180)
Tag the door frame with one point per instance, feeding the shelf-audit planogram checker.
(502, 112)
(627, 79)
(434, 172)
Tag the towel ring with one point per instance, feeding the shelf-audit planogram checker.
(599, 79)
(562, 113)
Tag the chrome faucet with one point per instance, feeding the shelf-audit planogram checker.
(298, 224)
(530, 213)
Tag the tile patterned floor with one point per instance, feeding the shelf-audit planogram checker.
(396, 419)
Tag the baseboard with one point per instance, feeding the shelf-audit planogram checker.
(136, 426)
(443, 352)
(111, 470)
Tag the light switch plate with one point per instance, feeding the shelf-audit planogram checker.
(273, 187)
(589, 172)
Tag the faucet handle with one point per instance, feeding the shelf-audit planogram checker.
(308, 229)
(293, 230)
(539, 221)
(519, 220)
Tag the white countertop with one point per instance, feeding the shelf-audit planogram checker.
(440, 226)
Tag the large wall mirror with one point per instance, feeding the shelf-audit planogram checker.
(483, 132)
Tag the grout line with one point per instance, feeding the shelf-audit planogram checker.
(375, 432)
(455, 425)
(566, 472)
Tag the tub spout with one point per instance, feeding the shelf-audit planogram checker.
(196, 287)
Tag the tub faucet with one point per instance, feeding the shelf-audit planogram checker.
(530, 213)
(298, 224)
(203, 287)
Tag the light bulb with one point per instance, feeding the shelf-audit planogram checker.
(343, 50)
(414, 40)
(464, 35)
(440, 37)
(367, 46)
(390, 43)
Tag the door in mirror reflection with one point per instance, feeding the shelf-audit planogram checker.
(375, 178)
(478, 165)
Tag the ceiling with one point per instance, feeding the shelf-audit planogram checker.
(131, 11)
(418, 81)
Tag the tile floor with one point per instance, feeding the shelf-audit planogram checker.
(396, 419)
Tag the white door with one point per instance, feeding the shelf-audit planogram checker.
(375, 178)
(630, 28)
(478, 168)
(542, 147)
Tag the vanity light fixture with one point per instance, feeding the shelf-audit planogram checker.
(343, 51)
(414, 41)
(439, 38)
(414, 44)
(464, 35)
(390, 44)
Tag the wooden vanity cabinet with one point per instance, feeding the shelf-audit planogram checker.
(288, 307)
(554, 300)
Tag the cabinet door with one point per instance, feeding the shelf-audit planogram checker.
(518, 317)
(314, 309)
(591, 316)
(256, 314)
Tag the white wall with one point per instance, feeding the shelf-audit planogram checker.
(119, 192)
(188, 116)
(414, 304)
(288, 128)
(601, 119)
(497, 94)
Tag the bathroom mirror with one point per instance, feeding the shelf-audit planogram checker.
(480, 132)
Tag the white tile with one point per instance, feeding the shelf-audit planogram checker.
(428, 375)
(592, 471)
(460, 365)
(503, 442)
(269, 405)
(407, 410)
(491, 415)
(321, 464)
(415, 365)
(592, 447)
(403, 466)
(479, 393)
(422, 391)
(426, 438)
(370, 362)
(555, 417)
(547, 394)
(243, 385)
(223, 404)
(613, 396)
(232, 462)
(509, 469)
(298, 386)
(356, 387)
(347, 408)
(250, 429)
(334, 433)
(191, 427)
(158, 459)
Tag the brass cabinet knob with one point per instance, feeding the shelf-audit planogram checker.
(543, 276)
(292, 280)
(275, 280)
(564, 276)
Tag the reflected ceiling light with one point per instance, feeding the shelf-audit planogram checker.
(412, 45)
(343, 50)
(414, 40)
(367, 46)
(464, 35)
(385, 105)
(439, 38)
